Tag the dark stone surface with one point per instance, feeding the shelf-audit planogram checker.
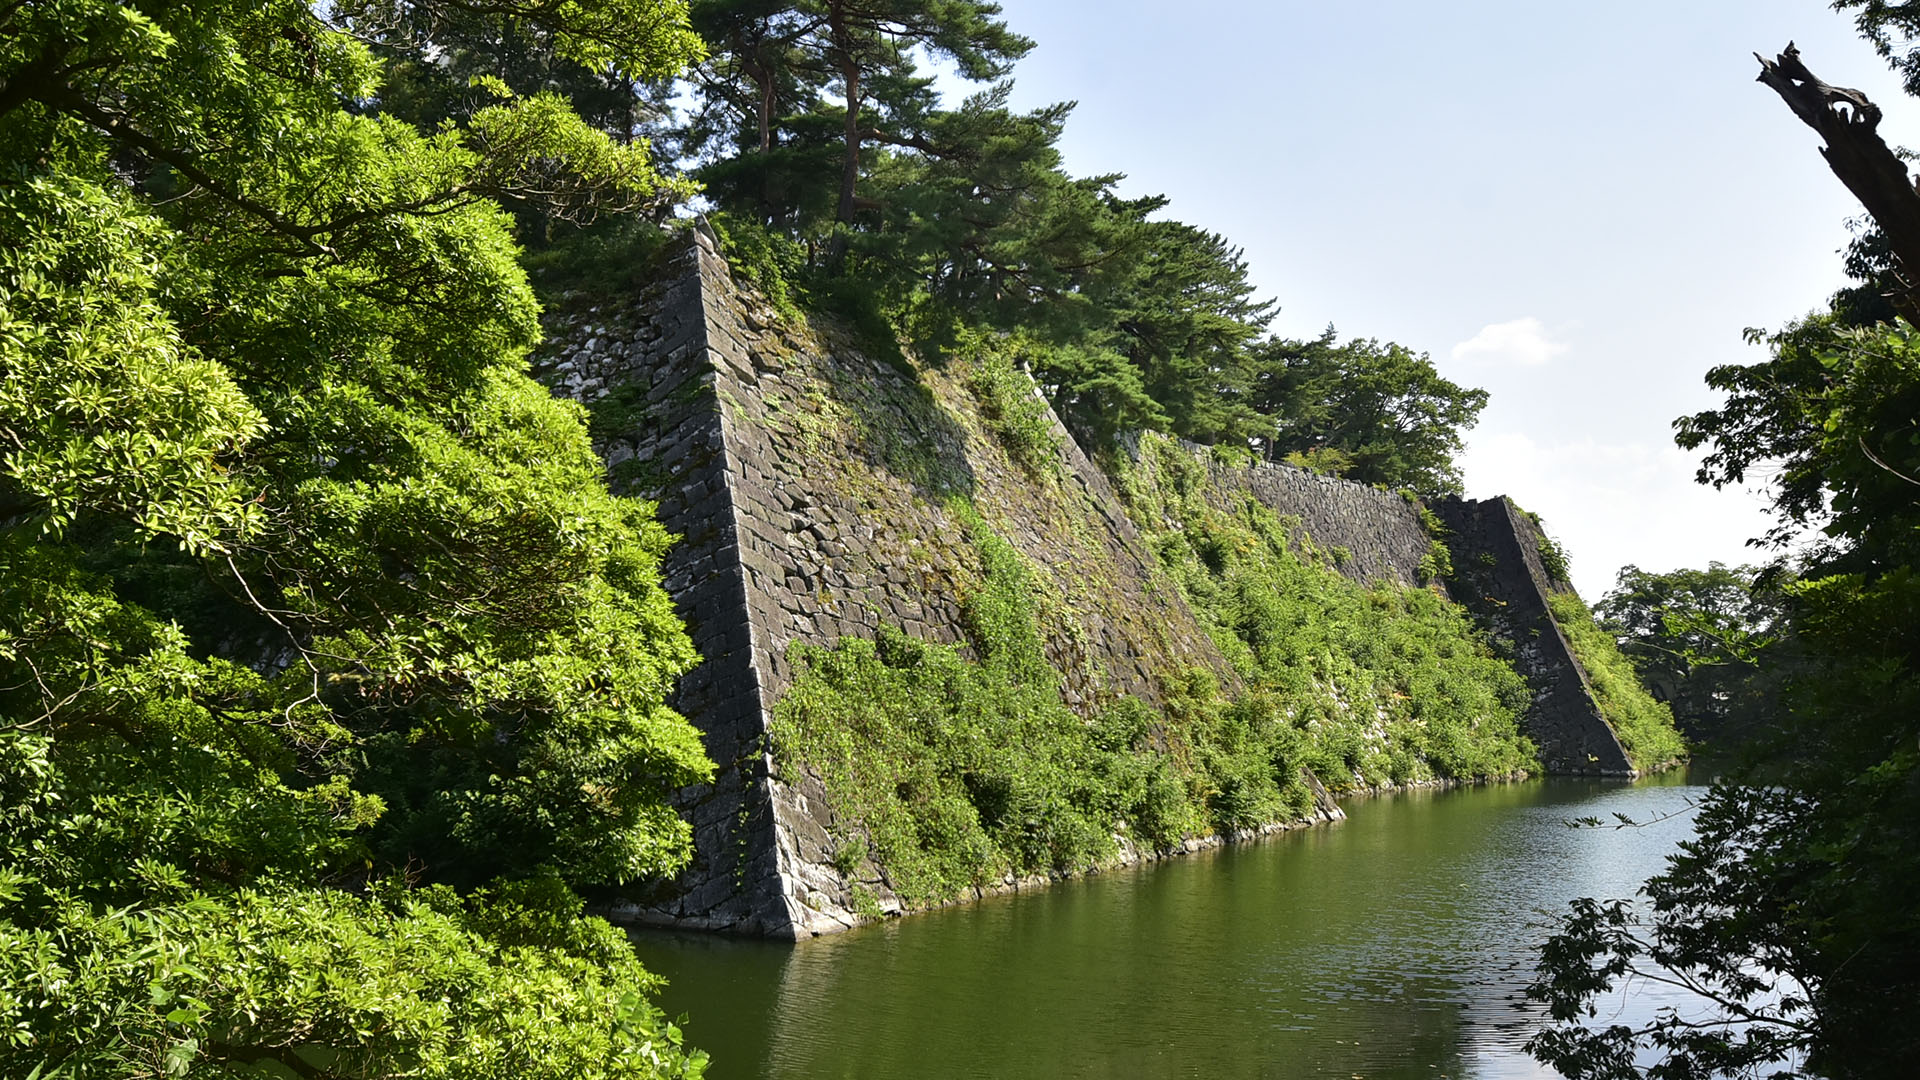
(1498, 575)
(810, 485)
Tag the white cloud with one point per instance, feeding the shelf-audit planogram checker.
(1614, 503)
(1521, 342)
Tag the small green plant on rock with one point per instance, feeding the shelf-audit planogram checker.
(1012, 406)
(1437, 563)
(865, 904)
(1553, 558)
(849, 854)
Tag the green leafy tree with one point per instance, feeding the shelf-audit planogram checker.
(1186, 318)
(870, 42)
(769, 152)
(1893, 26)
(1384, 410)
(1707, 642)
(1790, 913)
(328, 668)
(775, 63)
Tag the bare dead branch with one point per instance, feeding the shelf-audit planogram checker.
(1849, 123)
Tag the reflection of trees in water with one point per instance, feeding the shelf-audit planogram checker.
(729, 988)
(1391, 945)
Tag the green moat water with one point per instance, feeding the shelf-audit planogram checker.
(1393, 944)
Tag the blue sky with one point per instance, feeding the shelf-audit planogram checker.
(1576, 206)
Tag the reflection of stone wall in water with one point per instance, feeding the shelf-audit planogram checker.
(810, 485)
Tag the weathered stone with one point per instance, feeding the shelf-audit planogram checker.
(777, 449)
(1496, 558)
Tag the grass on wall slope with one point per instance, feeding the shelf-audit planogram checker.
(1388, 683)
(1644, 726)
(953, 772)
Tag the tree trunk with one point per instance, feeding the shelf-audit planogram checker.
(850, 78)
(1858, 156)
(850, 169)
(762, 75)
(766, 110)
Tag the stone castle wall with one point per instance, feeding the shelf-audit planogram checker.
(1378, 532)
(1499, 576)
(815, 490)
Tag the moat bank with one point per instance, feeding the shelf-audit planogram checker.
(1393, 944)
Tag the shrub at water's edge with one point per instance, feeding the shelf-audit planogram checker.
(1644, 726)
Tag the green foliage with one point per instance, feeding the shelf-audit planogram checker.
(763, 259)
(1325, 460)
(958, 771)
(105, 404)
(1792, 910)
(961, 772)
(604, 262)
(304, 584)
(1373, 413)
(1643, 725)
(1437, 563)
(1553, 559)
(439, 986)
(1711, 643)
(1385, 683)
(1012, 406)
(1893, 26)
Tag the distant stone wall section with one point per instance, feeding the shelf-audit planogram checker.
(1378, 532)
(1499, 576)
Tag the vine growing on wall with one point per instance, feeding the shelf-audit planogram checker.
(1389, 684)
(952, 771)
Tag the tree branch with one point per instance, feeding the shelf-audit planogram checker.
(1848, 122)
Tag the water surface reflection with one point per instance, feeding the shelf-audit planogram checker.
(1393, 944)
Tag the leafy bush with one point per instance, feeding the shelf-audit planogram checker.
(607, 261)
(1553, 558)
(322, 642)
(1437, 563)
(1325, 460)
(440, 985)
(771, 262)
(1010, 403)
